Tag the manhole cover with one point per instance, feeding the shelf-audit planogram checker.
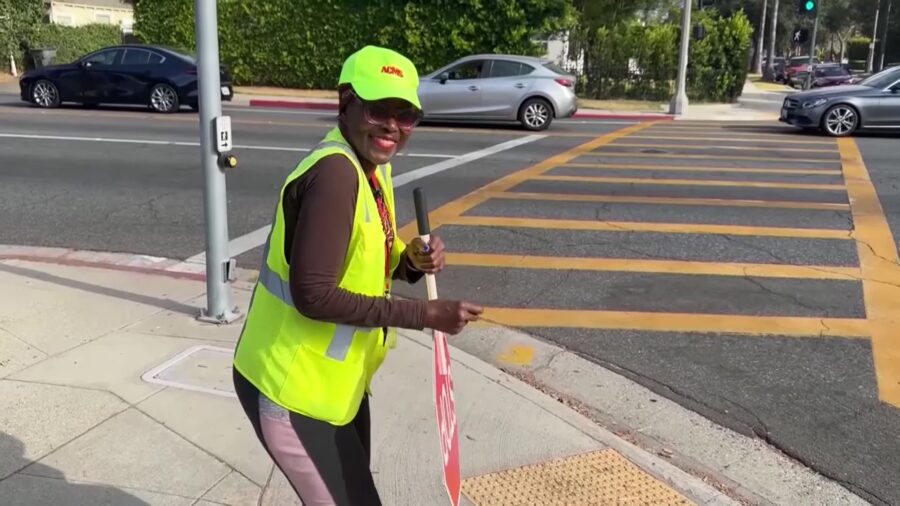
(200, 368)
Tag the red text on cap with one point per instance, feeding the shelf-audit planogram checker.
(390, 69)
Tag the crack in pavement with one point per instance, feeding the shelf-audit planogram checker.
(794, 298)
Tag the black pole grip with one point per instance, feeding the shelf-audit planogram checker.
(421, 211)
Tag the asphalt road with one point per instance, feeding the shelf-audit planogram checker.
(713, 263)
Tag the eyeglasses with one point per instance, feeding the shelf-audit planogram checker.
(379, 113)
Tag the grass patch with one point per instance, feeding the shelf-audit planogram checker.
(621, 105)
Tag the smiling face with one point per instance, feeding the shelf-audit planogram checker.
(376, 130)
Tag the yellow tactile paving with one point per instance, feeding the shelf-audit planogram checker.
(592, 479)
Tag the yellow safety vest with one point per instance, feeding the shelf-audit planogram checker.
(313, 367)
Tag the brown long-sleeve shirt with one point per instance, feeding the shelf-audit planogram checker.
(318, 210)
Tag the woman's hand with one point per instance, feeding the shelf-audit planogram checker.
(450, 316)
(426, 258)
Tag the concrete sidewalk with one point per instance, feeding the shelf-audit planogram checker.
(112, 393)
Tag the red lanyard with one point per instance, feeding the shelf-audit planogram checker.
(385, 223)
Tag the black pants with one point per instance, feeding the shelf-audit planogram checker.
(340, 455)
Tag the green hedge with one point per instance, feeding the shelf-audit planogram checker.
(858, 48)
(634, 61)
(72, 42)
(302, 43)
(717, 67)
(18, 21)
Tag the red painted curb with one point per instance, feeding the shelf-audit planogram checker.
(107, 266)
(328, 106)
(288, 104)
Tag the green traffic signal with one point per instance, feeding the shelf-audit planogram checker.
(809, 5)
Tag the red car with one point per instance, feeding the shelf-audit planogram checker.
(797, 65)
(831, 75)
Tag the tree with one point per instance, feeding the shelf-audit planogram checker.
(19, 19)
(838, 19)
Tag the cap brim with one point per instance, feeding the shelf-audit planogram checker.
(371, 93)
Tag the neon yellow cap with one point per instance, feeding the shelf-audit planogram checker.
(377, 73)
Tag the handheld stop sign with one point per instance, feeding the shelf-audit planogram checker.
(443, 384)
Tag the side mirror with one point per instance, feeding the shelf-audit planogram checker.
(87, 64)
(443, 77)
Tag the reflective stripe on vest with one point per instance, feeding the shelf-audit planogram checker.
(281, 289)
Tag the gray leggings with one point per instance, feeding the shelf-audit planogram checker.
(327, 465)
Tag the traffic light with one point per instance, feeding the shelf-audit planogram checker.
(808, 6)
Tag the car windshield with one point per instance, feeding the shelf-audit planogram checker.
(800, 61)
(882, 79)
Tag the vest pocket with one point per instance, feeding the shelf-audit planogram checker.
(324, 388)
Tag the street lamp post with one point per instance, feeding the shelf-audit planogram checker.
(812, 49)
(215, 139)
(679, 102)
(757, 67)
(770, 63)
(884, 34)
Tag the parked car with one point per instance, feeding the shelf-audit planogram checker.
(778, 66)
(499, 88)
(839, 111)
(797, 65)
(159, 77)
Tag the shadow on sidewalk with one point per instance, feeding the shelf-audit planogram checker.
(45, 486)
(166, 304)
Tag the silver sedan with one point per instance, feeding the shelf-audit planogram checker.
(499, 88)
(839, 111)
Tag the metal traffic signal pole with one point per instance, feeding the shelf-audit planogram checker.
(679, 102)
(884, 35)
(812, 48)
(215, 140)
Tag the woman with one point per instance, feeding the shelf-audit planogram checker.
(322, 319)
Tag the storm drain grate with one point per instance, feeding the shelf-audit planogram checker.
(591, 479)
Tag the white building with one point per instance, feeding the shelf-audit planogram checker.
(83, 12)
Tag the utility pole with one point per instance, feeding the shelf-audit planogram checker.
(679, 102)
(759, 44)
(870, 61)
(215, 139)
(773, 31)
(884, 34)
(812, 48)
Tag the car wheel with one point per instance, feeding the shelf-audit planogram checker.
(164, 98)
(840, 120)
(45, 94)
(536, 114)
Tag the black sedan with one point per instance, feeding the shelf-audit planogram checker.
(161, 78)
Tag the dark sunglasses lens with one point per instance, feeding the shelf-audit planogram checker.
(408, 118)
(378, 113)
